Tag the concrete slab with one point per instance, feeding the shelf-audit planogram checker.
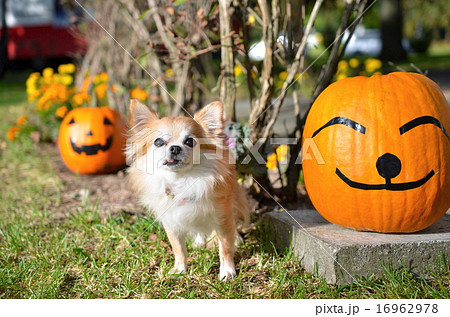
(339, 254)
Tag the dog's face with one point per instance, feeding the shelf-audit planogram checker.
(172, 143)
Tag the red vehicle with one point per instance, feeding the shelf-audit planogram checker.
(39, 30)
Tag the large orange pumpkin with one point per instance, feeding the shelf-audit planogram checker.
(386, 150)
(92, 140)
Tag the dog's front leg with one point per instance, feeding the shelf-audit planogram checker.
(178, 242)
(226, 235)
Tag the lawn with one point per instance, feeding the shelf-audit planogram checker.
(52, 250)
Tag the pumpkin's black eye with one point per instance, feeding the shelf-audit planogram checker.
(106, 121)
(72, 121)
(189, 142)
(159, 142)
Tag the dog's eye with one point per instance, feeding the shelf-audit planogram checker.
(159, 142)
(189, 142)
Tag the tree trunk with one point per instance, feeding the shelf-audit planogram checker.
(391, 21)
(227, 87)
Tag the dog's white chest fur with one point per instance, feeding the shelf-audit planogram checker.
(181, 203)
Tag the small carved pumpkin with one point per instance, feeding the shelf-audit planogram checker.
(386, 150)
(91, 140)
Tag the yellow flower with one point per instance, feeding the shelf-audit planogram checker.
(354, 62)
(169, 72)
(85, 85)
(373, 64)
(31, 82)
(12, 133)
(279, 155)
(251, 19)
(21, 120)
(279, 84)
(79, 98)
(100, 90)
(342, 66)
(143, 96)
(35, 75)
(31, 90)
(138, 93)
(66, 68)
(63, 94)
(61, 111)
(62, 69)
(56, 78)
(43, 102)
(237, 70)
(32, 96)
(271, 162)
(70, 68)
(103, 77)
(47, 72)
(341, 76)
(303, 76)
(66, 80)
(96, 80)
(283, 75)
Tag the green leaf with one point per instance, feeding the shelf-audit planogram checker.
(144, 14)
(179, 2)
(143, 60)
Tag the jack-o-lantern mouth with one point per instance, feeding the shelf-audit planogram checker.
(388, 185)
(92, 149)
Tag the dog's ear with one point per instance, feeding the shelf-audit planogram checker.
(210, 118)
(140, 115)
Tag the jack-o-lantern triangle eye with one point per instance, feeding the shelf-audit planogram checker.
(72, 121)
(106, 121)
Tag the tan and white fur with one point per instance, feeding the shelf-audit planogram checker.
(181, 170)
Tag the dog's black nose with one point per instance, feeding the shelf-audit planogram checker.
(388, 165)
(90, 133)
(175, 149)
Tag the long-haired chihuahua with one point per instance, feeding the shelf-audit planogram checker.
(183, 172)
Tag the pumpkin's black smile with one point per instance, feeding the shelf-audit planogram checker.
(388, 185)
(92, 149)
(388, 166)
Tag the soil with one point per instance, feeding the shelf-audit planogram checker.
(109, 193)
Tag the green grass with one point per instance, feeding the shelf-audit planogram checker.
(437, 58)
(12, 88)
(47, 251)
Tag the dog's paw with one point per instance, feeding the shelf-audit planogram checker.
(226, 273)
(178, 269)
